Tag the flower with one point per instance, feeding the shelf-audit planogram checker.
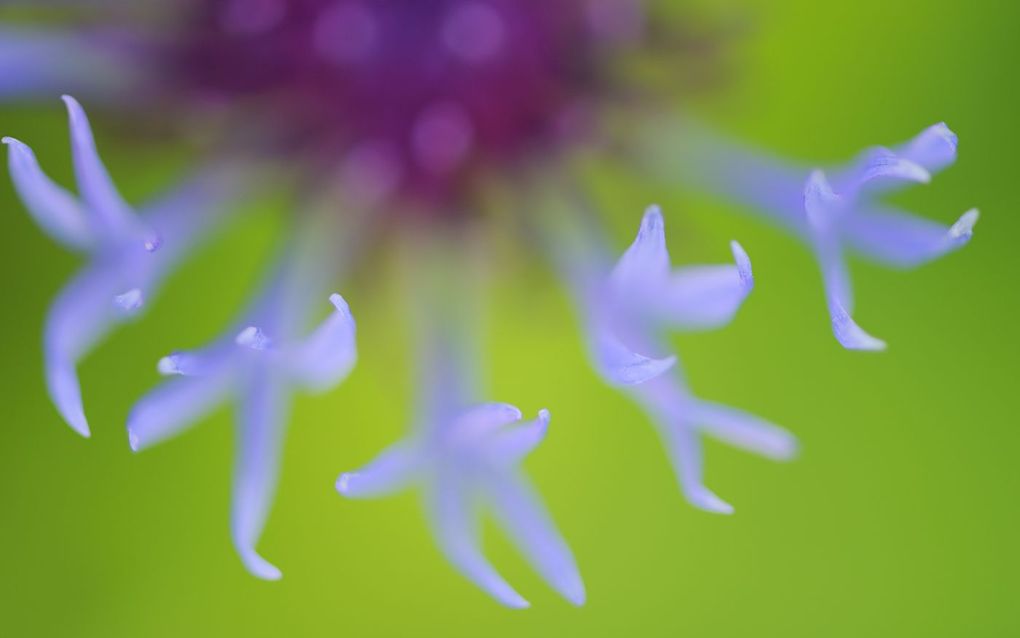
(628, 310)
(259, 373)
(460, 460)
(398, 115)
(128, 259)
(464, 455)
(831, 210)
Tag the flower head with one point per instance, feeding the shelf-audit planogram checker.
(127, 257)
(464, 458)
(832, 210)
(628, 310)
(259, 374)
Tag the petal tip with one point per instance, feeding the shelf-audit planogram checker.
(343, 483)
(963, 228)
(743, 265)
(133, 442)
(706, 500)
(850, 335)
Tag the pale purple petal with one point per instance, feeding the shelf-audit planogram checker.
(508, 446)
(934, 148)
(82, 314)
(454, 523)
(262, 412)
(483, 419)
(744, 430)
(700, 297)
(619, 365)
(669, 405)
(329, 353)
(391, 471)
(850, 335)
(97, 190)
(646, 263)
(524, 518)
(881, 169)
(54, 209)
(903, 240)
(179, 403)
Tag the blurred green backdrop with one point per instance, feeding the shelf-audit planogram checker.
(899, 518)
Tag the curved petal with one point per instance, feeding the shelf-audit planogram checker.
(848, 333)
(902, 240)
(934, 148)
(619, 365)
(508, 446)
(329, 353)
(95, 185)
(176, 405)
(454, 523)
(881, 169)
(389, 472)
(483, 419)
(263, 404)
(525, 519)
(669, 406)
(701, 297)
(744, 430)
(82, 314)
(646, 263)
(54, 209)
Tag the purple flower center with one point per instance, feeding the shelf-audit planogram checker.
(413, 96)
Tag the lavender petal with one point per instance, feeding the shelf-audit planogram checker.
(393, 470)
(97, 189)
(329, 353)
(744, 430)
(524, 518)
(259, 433)
(701, 297)
(454, 523)
(179, 403)
(898, 239)
(54, 209)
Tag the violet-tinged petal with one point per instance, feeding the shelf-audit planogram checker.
(645, 264)
(81, 315)
(744, 430)
(54, 209)
(618, 364)
(329, 353)
(848, 333)
(484, 419)
(669, 404)
(262, 413)
(177, 404)
(934, 148)
(455, 525)
(390, 472)
(684, 449)
(97, 190)
(700, 297)
(509, 445)
(526, 521)
(882, 169)
(903, 240)
(822, 206)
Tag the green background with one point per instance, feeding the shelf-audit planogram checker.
(899, 517)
